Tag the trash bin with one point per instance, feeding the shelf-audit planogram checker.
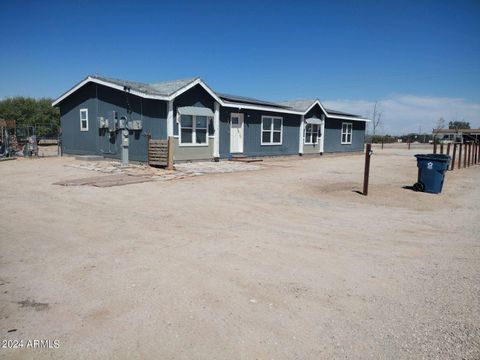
(431, 172)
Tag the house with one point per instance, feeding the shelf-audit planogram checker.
(204, 124)
(456, 135)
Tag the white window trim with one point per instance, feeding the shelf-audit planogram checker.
(81, 127)
(194, 133)
(349, 125)
(271, 131)
(313, 132)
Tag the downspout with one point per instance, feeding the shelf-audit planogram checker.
(322, 130)
(170, 119)
(96, 113)
(300, 135)
(216, 129)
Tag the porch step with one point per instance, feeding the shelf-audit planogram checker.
(89, 157)
(245, 159)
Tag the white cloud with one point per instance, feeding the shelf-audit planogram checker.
(403, 114)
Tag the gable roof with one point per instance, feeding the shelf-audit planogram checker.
(300, 105)
(164, 88)
(168, 90)
(305, 105)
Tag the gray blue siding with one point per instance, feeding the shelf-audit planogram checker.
(252, 133)
(316, 111)
(333, 133)
(75, 141)
(101, 101)
(333, 136)
(196, 96)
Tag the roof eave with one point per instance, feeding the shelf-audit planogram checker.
(105, 83)
(331, 116)
(193, 83)
(258, 107)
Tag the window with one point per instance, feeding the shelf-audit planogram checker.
(311, 134)
(83, 119)
(346, 133)
(193, 130)
(272, 128)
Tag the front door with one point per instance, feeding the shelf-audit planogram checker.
(236, 133)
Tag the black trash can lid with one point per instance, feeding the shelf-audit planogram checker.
(435, 157)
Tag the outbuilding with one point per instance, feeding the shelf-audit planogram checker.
(203, 123)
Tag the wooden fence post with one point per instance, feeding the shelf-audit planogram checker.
(460, 155)
(408, 144)
(465, 156)
(368, 153)
(476, 153)
(453, 156)
(170, 153)
(441, 149)
(472, 152)
(474, 149)
(469, 154)
(434, 147)
(448, 149)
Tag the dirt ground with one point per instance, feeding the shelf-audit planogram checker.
(285, 262)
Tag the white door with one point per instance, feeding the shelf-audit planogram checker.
(236, 133)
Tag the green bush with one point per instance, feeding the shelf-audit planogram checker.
(30, 112)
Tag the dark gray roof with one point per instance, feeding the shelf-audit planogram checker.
(303, 105)
(168, 88)
(341, 113)
(300, 105)
(165, 88)
(248, 100)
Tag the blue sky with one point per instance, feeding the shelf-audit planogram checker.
(421, 55)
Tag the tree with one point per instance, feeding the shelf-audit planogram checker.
(32, 112)
(440, 125)
(458, 125)
(376, 118)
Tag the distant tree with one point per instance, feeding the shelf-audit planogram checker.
(439, 125)
(32, 112)
(386, 139)
(376, 118)
(459, 125)
(416, 137)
